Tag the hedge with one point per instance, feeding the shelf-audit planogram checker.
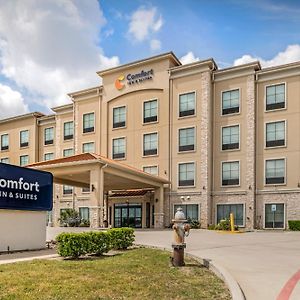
(76, 244)
(294, 225)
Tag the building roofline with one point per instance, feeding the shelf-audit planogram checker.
(24, 116)
(142, 61)
(62, 107)
(85, 91)
(255, 65)
(200, 63)
(288, 66)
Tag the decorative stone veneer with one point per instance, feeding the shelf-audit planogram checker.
(291, 201)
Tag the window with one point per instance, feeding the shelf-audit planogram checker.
(88, 147)
(49, 136)
(119, 117)
(230, 173)
(88, 122)
(24, 138)
(150, 111)
(150, 144)
(275, 171)
(275, 96)
(5, 160)
(67, 190)
(153, 170)
(224, 211)
(230, 102)
(48, 156)
(86, 190)
(4, 142)
(84, 213)
(231, 137)
(118, 148)
(186, 139)
(68, 152)
(191, 211)
(275, 134)
(68, 130)
(186, 174)
(187, 104)
(24, 160)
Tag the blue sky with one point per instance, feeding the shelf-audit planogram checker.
(50, 48)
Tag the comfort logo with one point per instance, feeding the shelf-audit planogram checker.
(119, 84)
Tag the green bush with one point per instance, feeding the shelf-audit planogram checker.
(211, 227)
(69, 218)
(99, 242)
(294, 225)
(195, 224)
(121, 238)
(72, 244)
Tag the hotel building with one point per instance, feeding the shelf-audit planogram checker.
(219, 140)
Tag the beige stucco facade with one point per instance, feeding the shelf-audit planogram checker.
(195, 171)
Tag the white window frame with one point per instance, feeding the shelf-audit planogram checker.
(240, 102)
(285, 171)
(188, 203)
(285, 134)
(195, 174)
(221, 177)
(47, 154)
(4, 133)
(285, 97)
(46, 145)
(4, 158)
(149, 166)
(221, 138)
(87, 113)
(178, 104)
(232, 203)
(264, 215)
(88, 143)
(146, 133)
(23, 155)
(126, 117)
(63, 154)
(143, 112)
(195, 140)
(112, 147)
(28, 138)
(71, 121)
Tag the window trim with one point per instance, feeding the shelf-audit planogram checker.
(4, 158)
(67, 194)
(48, 153)
(88, 142)
(89, 132)
(221, 144)
(69, 139)
(152, 155)
(189, 203)
(195, 139)
(285, 172)
(195, 174)
(112, 148)
(285, 134)
(240, 102)
(23, 156)
(285, 97)
(63, 150)
(221, 170)
(4, 150)
(122, 127)
(232, 203)
(143, 112)
(264, 215)
(145, 166)
(178, 104)
(50, 144)
(20, 144)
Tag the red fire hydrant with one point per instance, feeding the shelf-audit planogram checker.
(181, 230)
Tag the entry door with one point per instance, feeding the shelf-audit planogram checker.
(128, 215)
(148, 215)
(274, 216)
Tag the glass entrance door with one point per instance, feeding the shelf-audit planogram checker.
(274, 216)
(128, 215)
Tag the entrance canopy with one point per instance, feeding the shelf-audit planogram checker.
(101, 174)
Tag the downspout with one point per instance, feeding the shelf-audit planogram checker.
(256, 143)
(170, 140)
(106, 206)
(213, 150)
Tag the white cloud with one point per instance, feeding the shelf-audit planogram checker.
(144, 23)
(189, 58)
(11, 102)
(155, 45)
(51, 47)
(290, 54)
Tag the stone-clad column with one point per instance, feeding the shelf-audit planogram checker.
(205, 148)
(159, 207)
(250, 156)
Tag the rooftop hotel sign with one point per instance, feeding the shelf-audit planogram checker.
(134, 78)
(25, 189)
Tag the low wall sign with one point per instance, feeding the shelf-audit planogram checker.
(25, 189)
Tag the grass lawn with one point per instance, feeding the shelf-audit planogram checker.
(134, 274)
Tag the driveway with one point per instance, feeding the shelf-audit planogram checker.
(262, 262)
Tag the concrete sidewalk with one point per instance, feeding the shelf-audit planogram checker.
(261, 262)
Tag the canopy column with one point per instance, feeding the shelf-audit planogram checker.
(97, 192)
(159, 207)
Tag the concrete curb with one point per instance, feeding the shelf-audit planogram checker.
(233, 286)
(16, 260)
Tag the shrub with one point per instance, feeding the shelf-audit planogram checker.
(225, 225)
(72, 244)
(99, 242)
(121, 238)
(294, 225)
(69, 217)
(195, 224)
(211, 227)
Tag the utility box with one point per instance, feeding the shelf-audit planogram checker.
(25, 197)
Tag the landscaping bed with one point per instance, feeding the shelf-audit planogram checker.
(131, 274)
